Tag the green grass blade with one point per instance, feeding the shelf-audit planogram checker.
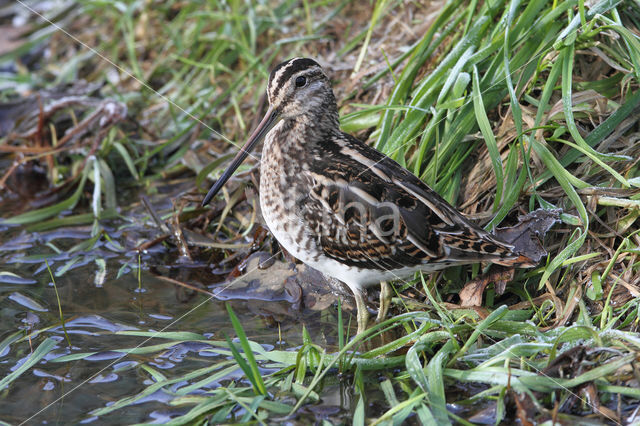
(41, 351)
(47, 212)
(437, 397)
(254, 372)
(478, 330)
(567, 67)
(489, 138)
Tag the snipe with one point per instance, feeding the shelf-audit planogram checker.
(344, 208)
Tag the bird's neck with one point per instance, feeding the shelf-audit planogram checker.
(302, 133)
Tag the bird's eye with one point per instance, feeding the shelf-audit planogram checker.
(301, 81)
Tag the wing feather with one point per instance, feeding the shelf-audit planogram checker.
(370, 212)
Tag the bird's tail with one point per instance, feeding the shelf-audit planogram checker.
(521, 261)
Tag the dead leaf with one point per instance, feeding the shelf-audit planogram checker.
(471, 294)
(527, 235)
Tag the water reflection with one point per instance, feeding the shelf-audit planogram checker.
(273, 299)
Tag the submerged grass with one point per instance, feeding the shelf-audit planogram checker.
(502, 107)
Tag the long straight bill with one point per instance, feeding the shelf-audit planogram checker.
(267, 123)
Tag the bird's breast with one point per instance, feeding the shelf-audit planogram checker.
(282, 187)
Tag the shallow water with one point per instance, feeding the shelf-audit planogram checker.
(66, 392)
(112, 288)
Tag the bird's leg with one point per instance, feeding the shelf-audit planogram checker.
(385, 301)
(363, 313)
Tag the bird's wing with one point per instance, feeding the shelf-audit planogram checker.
(368, 211)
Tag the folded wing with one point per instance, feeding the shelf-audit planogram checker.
(368, 211)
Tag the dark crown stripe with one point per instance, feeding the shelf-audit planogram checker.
(291, 67)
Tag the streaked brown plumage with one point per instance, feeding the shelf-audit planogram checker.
(344, 208)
